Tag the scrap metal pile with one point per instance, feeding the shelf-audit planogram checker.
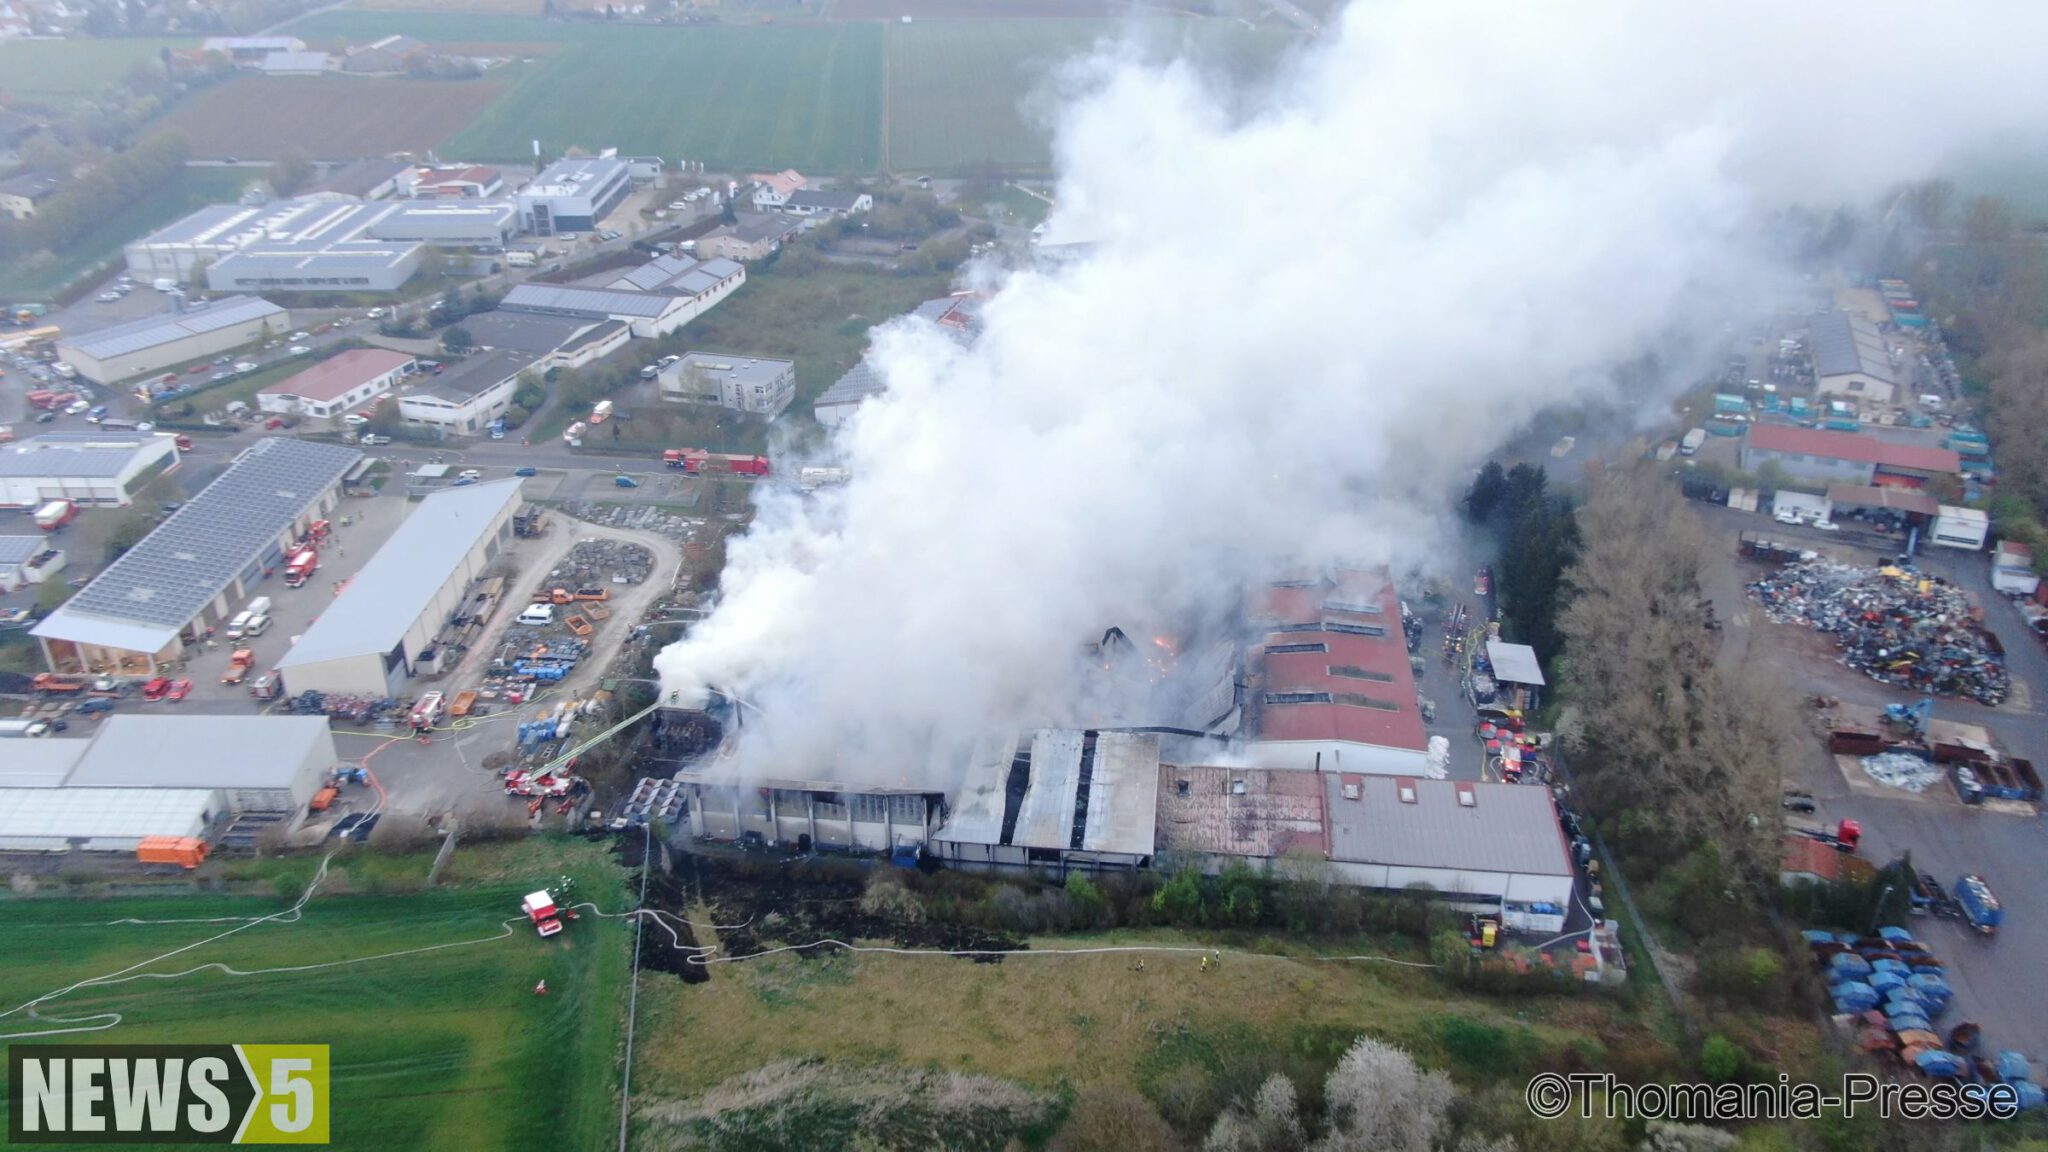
(1902, 770)
(1893, 625)
(358, 710)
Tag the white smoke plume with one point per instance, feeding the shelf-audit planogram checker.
(1311, 311)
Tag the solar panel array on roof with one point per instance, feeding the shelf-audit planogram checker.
(167, 578)
(860, 382)
(585, 301)
(137, 335)
(18, 549)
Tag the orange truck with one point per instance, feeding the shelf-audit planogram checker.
(184, 851)
(53, 684)
(238, 666)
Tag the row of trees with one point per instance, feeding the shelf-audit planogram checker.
(1539, 536)
(1678, 753)
(109, 188)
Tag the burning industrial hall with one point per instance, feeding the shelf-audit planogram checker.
(1293, 737)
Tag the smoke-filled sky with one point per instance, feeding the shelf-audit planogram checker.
(1312, 309)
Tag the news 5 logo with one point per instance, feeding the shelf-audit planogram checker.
(167, 1093)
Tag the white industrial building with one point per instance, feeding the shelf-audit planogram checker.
(338, 383)
(197, 568)
(1089, 801)
(26, 560)
(316, 243)
(105, 468)
(142, 776)
(463, 400)
(375, 634)
(650, 314)
(572, 195)
(753, 384)
(1851, 360)
(172, 340)
(1477, 844)
(835, 405)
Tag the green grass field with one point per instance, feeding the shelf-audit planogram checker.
(808, 96)
(445, 1050)
(62, 70)
(190, 189)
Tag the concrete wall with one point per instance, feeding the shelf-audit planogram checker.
(1449, 884)
(1857, 386)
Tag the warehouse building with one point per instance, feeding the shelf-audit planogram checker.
(142, 776)
(1851, 361)
(172, 340)
(1330, 686)
(338, 383)
(23, 192)
(450, 223)
(26, 560)
(465, 399)
(474, 182)
(105, 468)
(813, 202)
(371, 178)
(1484, 847)
(835, 405)
(758, 385)
(649, 314)
(381, 628)
(552, 341)
(810, 815)
(200, 565)
(1824, 457)
(1088, 801)
(754, 236)
(315, 243)
(572, 195)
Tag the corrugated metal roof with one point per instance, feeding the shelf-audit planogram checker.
(1514, 663)
(53, 816)
(40, 763)
(17, 549)
(1844, 344)
(400, 582)
(585, 301)
(1335, 666)
(1508, 828)
(1852, 446)
(466, 379)
(529, 332)
(977, 813)
(1123, 794)
(193, 751)
(152, 331)
(98, 455)
(1045, 819)
(163, 582)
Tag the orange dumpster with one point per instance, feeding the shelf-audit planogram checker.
(323, 799)
(464, 701)
(184, 851)
(578, 625)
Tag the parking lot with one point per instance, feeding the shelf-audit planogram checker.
(1994, 978)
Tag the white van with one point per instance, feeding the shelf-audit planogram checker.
(165, 284)
(239, 626)
(538, 614)
(257, 625)
(260, 606)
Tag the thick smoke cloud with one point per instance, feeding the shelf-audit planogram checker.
(1311, 310)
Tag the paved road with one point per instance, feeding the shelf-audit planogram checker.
(1996, 980)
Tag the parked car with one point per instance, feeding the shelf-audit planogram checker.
(197, 369)
(298, 349)
(107, 297)
(245, 366)
(624, 481)
(77, 407)
(471, 474)
(302, 335)
(94, 704)
(355, 419)
(463, 481)
(180, 688)
(527, 471)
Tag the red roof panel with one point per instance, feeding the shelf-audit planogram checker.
(1852, 446)
(1368, 677)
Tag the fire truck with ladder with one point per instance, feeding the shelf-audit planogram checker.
(698, 462)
